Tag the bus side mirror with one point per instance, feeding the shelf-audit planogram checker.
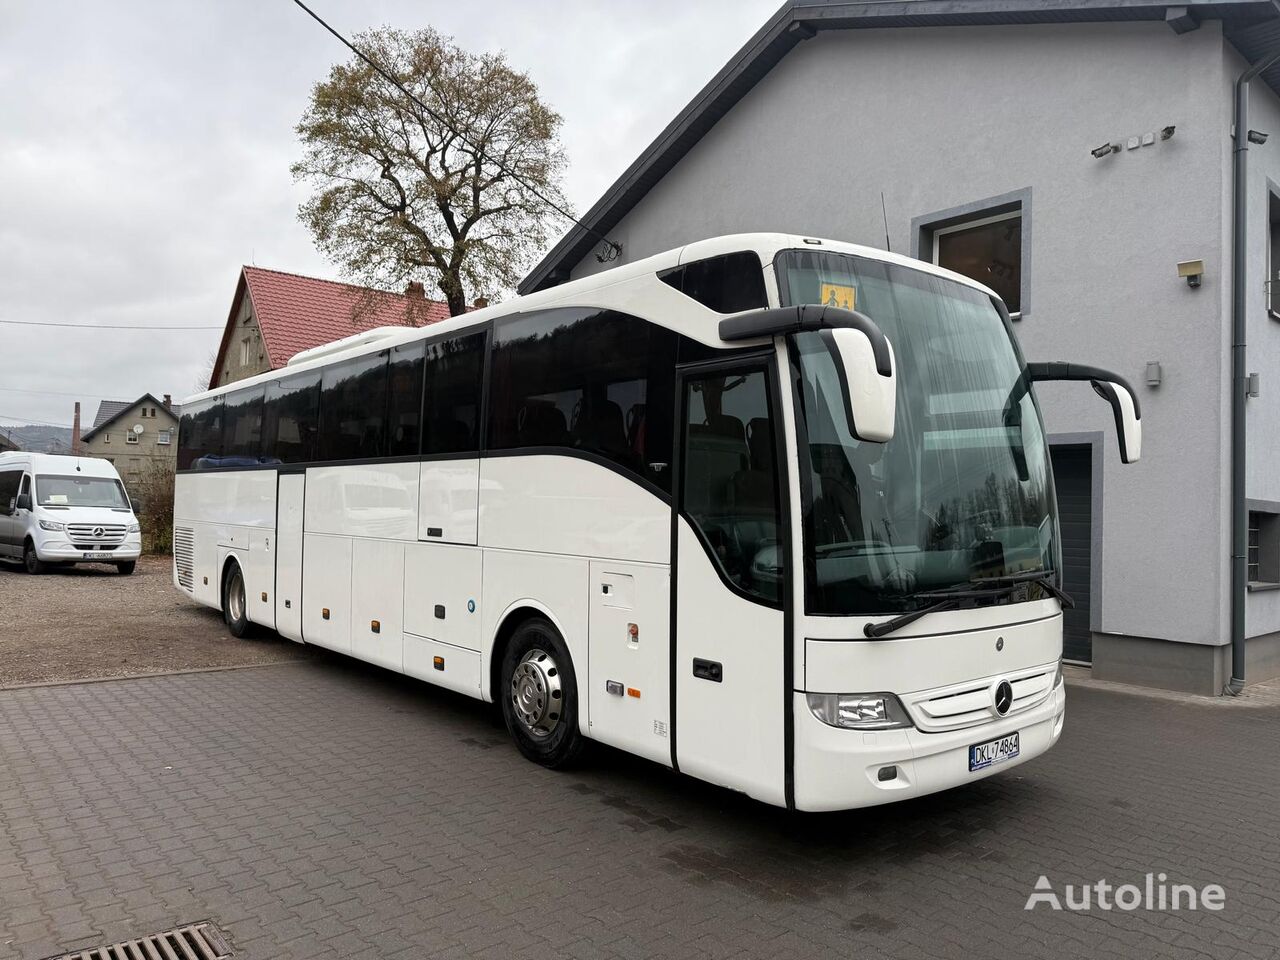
(870, 386)
(22, 502)
(1110, 387)
(1124, 405)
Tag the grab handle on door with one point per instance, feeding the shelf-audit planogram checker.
(711, 670)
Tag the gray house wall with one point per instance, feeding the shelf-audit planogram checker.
(942, 117)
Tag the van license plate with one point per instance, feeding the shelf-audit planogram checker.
(96, 556)
(983, 755)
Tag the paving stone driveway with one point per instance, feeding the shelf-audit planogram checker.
(325, 809)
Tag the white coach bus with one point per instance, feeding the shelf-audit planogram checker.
(775, 512)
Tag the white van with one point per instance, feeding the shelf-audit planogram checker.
(59, 510)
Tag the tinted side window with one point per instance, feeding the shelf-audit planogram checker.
(200, 435)
(242, 427)
(353, 408)
(9, 480)
(404, 400)
(291, 419)
(454, 371)
(589, 380)
(725, 284)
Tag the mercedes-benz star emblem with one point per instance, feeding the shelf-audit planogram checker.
(97, 532)
(1003, 697)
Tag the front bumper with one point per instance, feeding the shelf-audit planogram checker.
(836, 769)
(56, 548)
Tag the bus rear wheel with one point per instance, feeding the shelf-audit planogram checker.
(539, 695)
(235, 609)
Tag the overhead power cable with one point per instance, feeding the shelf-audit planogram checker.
(104, 326)
(614, 247)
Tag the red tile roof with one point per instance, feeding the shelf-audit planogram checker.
(296, 313)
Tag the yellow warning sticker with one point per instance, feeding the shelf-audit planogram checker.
(839, 295)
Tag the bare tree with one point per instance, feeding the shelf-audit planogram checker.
(459, 193)
(152, 496)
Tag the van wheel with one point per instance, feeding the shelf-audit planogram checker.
(540, 695)
(31, 560)
(126, 567)
(234, 607)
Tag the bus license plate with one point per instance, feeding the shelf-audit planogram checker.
(983, 755)
(97, 556)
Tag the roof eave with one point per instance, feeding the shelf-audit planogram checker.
(94, 431)
(799, 20)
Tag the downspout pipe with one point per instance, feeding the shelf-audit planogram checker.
(1239, 375)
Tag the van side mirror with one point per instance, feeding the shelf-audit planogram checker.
(22, 502)
(1111, 387)
(869, 380)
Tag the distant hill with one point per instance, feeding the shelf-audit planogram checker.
(39, 439)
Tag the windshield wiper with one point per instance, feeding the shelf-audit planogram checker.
(978, 588)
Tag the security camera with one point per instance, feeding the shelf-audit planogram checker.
(1167, 132)
(1258, 137)
(1103, 150)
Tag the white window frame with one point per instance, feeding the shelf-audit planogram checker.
(130, 437)
(163, 438)
(980, 221)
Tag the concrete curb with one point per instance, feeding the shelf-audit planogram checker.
(142, 676)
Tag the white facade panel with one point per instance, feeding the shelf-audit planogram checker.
(364, 500)
(567, 505)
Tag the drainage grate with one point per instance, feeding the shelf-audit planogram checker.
(199, 941)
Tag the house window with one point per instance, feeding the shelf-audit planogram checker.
(1264, 547)
(106, 438)
(130, 437)
(1273, 258)
(244, 352)
(162, 439)
(987, 249)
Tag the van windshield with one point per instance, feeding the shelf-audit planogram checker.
(81, 492)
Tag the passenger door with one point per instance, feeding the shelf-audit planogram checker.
(11, 527)
(732, 691)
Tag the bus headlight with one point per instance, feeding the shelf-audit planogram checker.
(53, 525)
(859, 711)
(133, 528)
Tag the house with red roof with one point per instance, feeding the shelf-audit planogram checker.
(275, 315)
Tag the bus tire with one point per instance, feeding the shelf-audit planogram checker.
(235, 605)
(539, 695)
(31, 560)
(126, 567)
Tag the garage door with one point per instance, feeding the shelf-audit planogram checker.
(1073, 477)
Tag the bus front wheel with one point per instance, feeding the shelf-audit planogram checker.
(235, 609)
(540, 695)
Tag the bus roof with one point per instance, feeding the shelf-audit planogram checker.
(582, 292)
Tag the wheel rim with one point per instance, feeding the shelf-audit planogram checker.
(235, 596)
(536, 694)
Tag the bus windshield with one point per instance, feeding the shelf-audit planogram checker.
(81, 492)
(963, 490)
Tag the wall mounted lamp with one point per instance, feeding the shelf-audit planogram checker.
(1154, 374)
(1193, 271)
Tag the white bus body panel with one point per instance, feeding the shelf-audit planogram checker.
(568, 505)
(326, 585)
(554, 586)
(377, 602)
(288, 596)
(623, 594)
(377, 500)
(260, 578)
(449, 501)
(730, 732)
(448, 577)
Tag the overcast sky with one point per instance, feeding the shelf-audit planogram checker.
(145, 149)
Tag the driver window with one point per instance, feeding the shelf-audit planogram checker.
(730, 491)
